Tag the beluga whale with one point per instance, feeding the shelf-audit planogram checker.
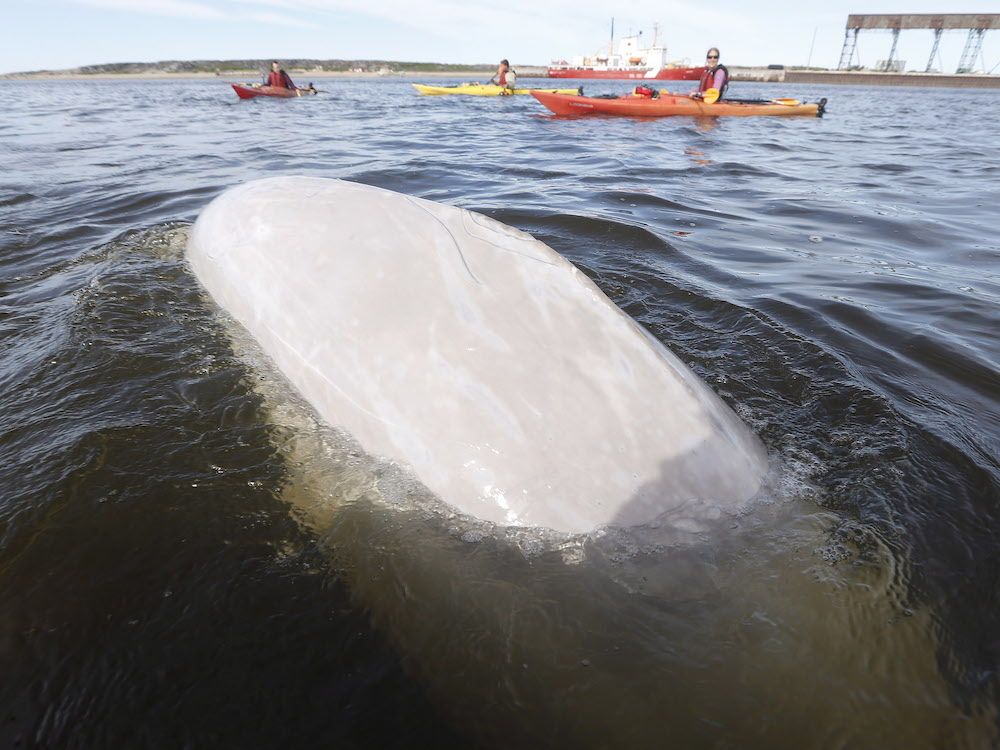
(472, 355)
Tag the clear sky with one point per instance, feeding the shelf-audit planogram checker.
(55, 34)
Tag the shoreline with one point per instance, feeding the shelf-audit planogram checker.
(747, 74)
(241, 75)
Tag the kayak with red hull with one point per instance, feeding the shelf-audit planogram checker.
(669, 105)
(250, 92)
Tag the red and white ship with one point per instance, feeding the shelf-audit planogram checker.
(629, 61)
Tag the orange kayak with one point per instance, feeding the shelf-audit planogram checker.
(669, 105)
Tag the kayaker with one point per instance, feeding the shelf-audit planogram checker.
(279, 78)
(715, 76)
(504, 76)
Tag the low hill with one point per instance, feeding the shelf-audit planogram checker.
(234, 66)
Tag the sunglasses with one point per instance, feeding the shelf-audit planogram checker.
(711, 57)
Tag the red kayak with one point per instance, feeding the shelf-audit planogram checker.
(667, 105)
(249, 92)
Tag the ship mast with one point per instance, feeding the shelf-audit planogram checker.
(611, 45)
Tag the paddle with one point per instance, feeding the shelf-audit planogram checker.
(783, 102)
(711, 96)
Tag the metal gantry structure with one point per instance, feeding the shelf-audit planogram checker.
(977, 25)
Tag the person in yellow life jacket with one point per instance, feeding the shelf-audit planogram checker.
(505, 76)
(715, 75)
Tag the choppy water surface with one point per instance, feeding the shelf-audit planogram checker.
(187, 559)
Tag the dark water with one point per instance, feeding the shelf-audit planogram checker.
(188, 560)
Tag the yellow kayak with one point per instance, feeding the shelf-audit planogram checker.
(482, 89)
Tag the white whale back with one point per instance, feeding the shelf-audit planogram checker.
(472, 353)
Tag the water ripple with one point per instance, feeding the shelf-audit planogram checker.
(168, 508)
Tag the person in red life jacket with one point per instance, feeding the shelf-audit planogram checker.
(715, 76)
(279, 78)
(504, 76)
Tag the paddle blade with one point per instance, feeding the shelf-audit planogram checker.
(711, 96)
(787, 102)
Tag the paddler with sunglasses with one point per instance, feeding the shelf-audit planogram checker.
(715, 76)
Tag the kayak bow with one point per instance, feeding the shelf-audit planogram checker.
(668, 105)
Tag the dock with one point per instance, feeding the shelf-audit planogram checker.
(865, 78)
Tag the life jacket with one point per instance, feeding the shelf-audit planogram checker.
(502, 78)
(646, 91)
(280, 79)
(708, 79)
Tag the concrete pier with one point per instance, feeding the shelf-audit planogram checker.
(866, 78)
